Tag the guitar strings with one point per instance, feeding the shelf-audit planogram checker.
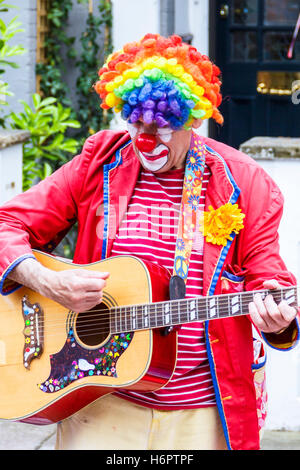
(92, 332)
(160, 315)
(95, 328)
(152, 309)
(87, 320)
(182, 302)
(90, 321)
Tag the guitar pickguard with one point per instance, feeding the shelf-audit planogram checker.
(74, 362)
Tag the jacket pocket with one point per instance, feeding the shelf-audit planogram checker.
(259, 380)
(231, 283)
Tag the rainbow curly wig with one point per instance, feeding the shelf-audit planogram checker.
(160, 80)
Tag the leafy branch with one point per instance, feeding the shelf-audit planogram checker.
(52, 83)
(90, 114)
(48, 147)
(7, 32)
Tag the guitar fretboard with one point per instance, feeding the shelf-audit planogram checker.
(176, 312)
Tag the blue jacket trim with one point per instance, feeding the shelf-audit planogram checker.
(237, 190)
(234, 196)
(232, 277)
(9, 269)
(220, 264)
(216, 388)
(260, 365)
(283, 349)
(106, 169)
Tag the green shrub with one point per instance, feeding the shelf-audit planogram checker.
(7, 32)
(48, 147)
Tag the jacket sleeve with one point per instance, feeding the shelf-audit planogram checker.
(40, 217)
(259, 244)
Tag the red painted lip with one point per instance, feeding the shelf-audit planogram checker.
(152, 158)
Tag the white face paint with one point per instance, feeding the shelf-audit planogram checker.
(165, 134)
(132, 130)
(156, 159)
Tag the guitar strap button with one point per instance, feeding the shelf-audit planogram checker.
(167, 330)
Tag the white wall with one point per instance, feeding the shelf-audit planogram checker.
(283, 369)
(134, 18)
(199, 27)
(10, 172)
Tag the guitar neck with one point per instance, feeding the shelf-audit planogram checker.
(177, 312)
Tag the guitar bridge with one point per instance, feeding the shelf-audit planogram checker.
(33, 331)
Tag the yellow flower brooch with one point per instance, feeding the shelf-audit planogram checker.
(217, 225)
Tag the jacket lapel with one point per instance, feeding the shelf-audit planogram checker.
(221, 189)
(118, 187)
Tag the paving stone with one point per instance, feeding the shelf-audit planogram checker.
(281, 440)
(21, 436)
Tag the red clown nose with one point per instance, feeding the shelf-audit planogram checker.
(146, 142)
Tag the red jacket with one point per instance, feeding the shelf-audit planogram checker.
(95, 188)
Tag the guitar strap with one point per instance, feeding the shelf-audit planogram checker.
(189, 216)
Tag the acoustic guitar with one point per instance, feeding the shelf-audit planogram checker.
(54, 361)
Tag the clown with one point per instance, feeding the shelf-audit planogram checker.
(222, 213)
(160, 85)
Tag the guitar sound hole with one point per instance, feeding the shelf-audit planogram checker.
(92, 326)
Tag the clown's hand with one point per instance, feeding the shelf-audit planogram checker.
(266, 315)
(76, 289)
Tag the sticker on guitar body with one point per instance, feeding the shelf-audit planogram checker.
(75, 362)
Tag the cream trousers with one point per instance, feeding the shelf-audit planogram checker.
(112, 423)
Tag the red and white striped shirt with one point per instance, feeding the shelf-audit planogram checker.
(149, 231)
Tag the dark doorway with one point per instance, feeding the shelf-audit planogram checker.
(250, 40)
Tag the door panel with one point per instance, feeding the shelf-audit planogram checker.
(249, 37)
